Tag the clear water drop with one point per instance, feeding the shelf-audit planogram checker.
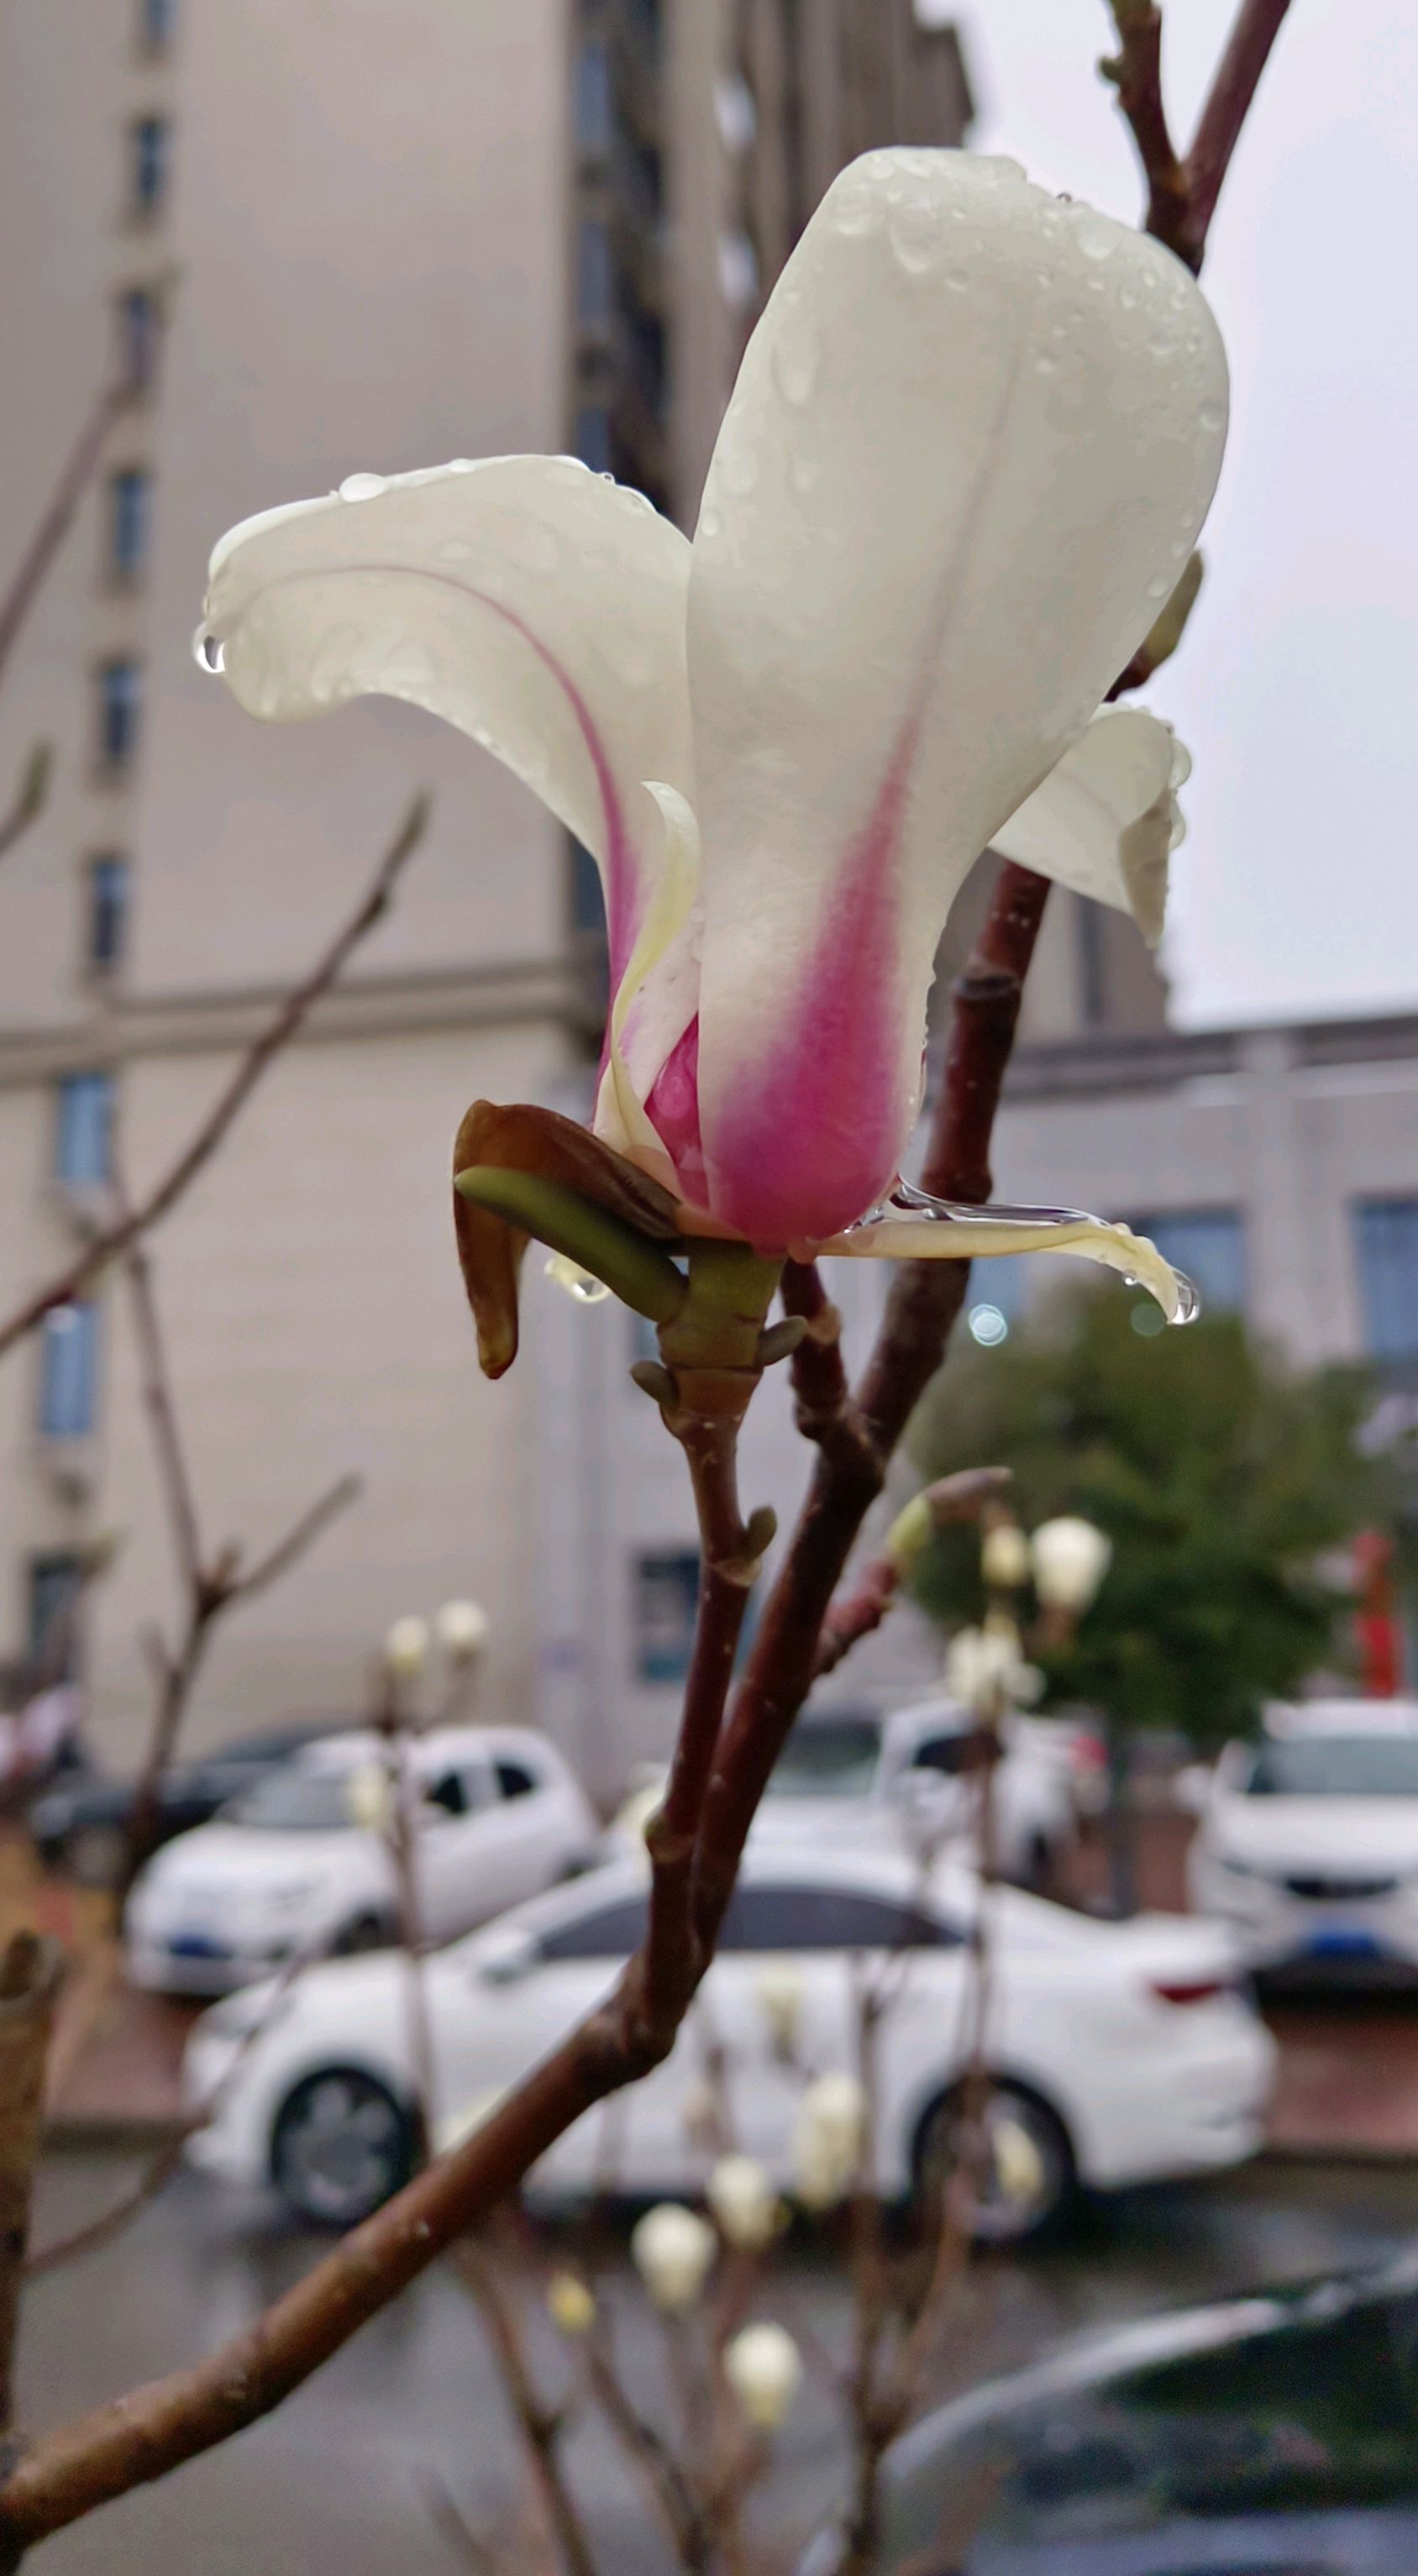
(578, 1283)
(710, 525)
(363, 487)
(856, 212)
(208, 650)
(1096, 239)
(1211, 417)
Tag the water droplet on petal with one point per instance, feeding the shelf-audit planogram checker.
(916, 239)
(857, 211)
(1095, 238)
(795, 364)
(1161, 586)
(1211, 417)
(578, 1283)
(363, 487)
(710, 525)
(208, 650)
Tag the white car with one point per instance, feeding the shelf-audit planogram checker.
(850, 1779)
(1307, 1844)
(1125, 2052)
(297, 1862)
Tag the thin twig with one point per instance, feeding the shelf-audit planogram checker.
(75, 475)
(855, 1614)
(30, 1971)
(1182, 192)
(541, 2425)
(1227, 107)
(298, 1539)
(30, 796)
(114, 1240)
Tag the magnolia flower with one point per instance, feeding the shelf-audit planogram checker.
(779, 1989)
(1004, 1556)
(764, 2369)
(744, 2203)
(829, 2139)
(1070, 1558)
(672, 2249)
(406, 1649)
(570, 2305)
(986, 1665)
(973, 439)
(461, 1628)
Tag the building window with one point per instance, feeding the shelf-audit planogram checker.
(106, 917)
(1386, 1241)
(1209, 1244)
(595, 275)
(83, 1128)
(55, 1585)
(593, 437)
(68, 1372)
(139, 324)
(149, 156)
(666, 1592)
(595, 98)
(117, 715)
(129, 495)
(157, 25)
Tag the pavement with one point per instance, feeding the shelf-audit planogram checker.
(1347, 2086)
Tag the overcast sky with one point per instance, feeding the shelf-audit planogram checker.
(1297, 688)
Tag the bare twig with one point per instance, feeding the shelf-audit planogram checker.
(854, 1615)
(30, 797)
(109, 1244)
(74, 478)
(1182, 194)
(540, 2425)
(29, 1982)
(298, 1540)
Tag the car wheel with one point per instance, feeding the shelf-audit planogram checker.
(1029, 2181)
(366, 1932)
(341, 2146)
(95, 1855)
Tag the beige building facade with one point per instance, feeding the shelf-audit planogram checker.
(318, 239)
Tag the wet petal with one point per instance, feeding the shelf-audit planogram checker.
(537, 606)
(971, 445)
(1106, 819)
(912, 1227)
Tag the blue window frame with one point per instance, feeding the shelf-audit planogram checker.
(106, 926)
(595, 97)
(83, 1127)
(666, 1594)
(1386, 1244)
(1209, 1244)
(149, 147)
(68, 1372)
(56, 1586)
(138, 329)
(129, 495)
(157, 24)
(119, 713)
(595, 274)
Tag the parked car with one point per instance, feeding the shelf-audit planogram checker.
(1121, 2051)
(1307, 1843)
(82, 1825)
(856, 1780)
(1277, 2433)
(298, 1863)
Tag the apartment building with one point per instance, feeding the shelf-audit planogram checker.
(308, 240)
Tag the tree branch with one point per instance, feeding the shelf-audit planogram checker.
(30, 1972)
(1258, 23)
(74, 477)
(114, 1240)
(1182, 194)
(30, 796)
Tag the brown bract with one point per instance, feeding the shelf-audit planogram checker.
(521, 1138)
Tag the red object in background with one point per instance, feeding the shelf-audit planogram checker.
(1376, 1627)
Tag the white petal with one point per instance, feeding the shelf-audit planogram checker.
(1106, 818)
(657, 995)
(972, 442)
(537, 606)
(919, 1237)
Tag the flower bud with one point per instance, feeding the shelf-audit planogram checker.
(780, 1996)
(764, 2369)
(461, 1628)
(829, 2140)
(406, 1649)
(744, 2203)
(369, 1798)
(570, 2305)
(672, 2249)
(1004, 1557)
(1016, 2159)
(1070, 1558)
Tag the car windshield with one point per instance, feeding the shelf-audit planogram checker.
(834, 1759)
(294, 1801)
(1336, 1766)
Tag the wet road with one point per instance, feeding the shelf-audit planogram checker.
(345, 2477)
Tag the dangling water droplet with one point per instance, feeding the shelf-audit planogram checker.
(1188, 1300)
(208, 650)
(363, 487)
(577, 1282)
(1096, 239)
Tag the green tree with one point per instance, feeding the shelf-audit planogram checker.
(1219, 1474)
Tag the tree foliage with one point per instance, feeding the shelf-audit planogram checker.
(1220, 1475)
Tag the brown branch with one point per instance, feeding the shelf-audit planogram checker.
(854, 1615)
(158, 1404)
(30, 796)
(541, 2425)
(29, 1983)
(655, 2460)
(1182, 194)
(298, 1540)
(114, 1240)
(74, 477)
